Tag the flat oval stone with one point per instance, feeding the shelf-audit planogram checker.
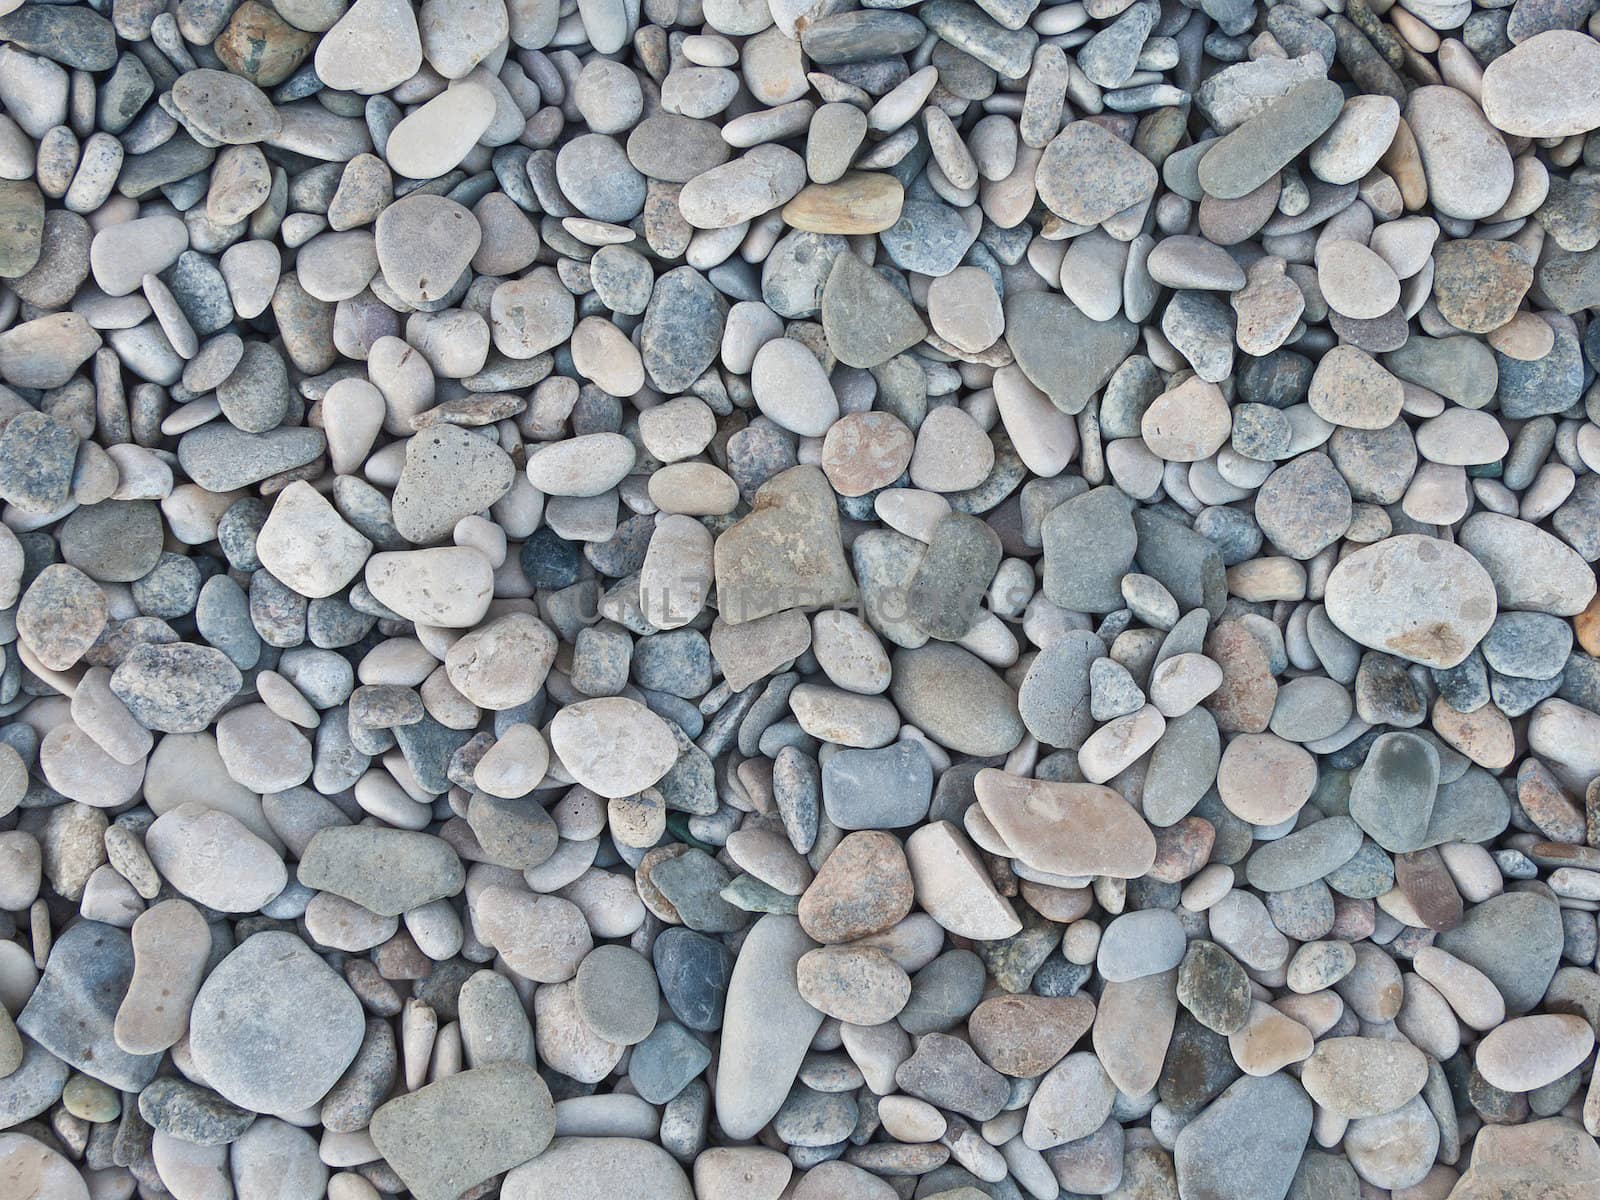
(861, 202)
(122, 255)
(1466, 162)
(213, 859)
(858, 984)
(436, 136)
(450, 586)
(682, 329)
(1066, 828)
(72, 1010)
(388, 871)
(1264, 779)
(373, 47)
(1531, 569)
(225, 108)
(942, 688)
(757, 182)
(1518, 96)
(791, 387)
(1417, 597)
(1072, 1100)
(674, 148)
(612, 745)
(1529, 1052)
(506, 1104)
(1247, 157)
(307, 545)
(583, 1168)
(1363, 1077)
(424, 243)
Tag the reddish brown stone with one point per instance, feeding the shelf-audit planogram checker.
(261, 46)
(863, 887)
(1182, 849)
(1244, 702)
(1558, 816)
(1024, 1036)
(1427, 886)
(866, 451)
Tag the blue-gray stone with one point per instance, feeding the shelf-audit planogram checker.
(1529, 645)
(1465, 686)
(74, 36)
(812, 1119)
(221, 458)
(1515, 939)
(1247, 1144)
(1089, 544)
(692, 883)
(676, 661)
(662, 1065)
(682, 329)
(1514, 696)
(1065, 354)
(1058, 977)
(943, 993)
(33, 1087)
(849, 37)
(693, 970)
(1235, 535)
(1280, 379)
(71, 1010)
(1392, 797)
(1186, 563)
(886, 788)
(796, 792)
(427, 747)
(1054, 697)
(222, 616)
(1551, 384)
(1474, 808)
(930, 238)
(1304, 856)
(1368, 874)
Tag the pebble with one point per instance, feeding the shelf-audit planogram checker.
(767, 1027)
(1518, 98)
(506, 1103)
(1087, 174)
(1247, 1142)
(1353, 1077)
(1444, 593)
(213, 859)
(1529, 1052)
(273, 1027)
(72, 1009)
(308, 546)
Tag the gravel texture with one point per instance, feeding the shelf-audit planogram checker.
(771, 600)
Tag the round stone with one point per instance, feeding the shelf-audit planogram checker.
(612, 745)
(273, 1026)
(616, 994)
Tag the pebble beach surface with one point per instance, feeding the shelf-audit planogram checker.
(774, 600)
